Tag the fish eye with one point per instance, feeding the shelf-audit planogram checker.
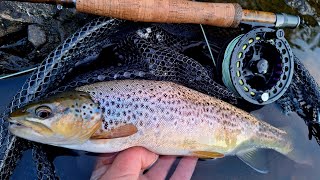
(43, 112)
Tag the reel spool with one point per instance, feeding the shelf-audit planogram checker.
(258, 66)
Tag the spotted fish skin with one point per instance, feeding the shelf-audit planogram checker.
(174, 120)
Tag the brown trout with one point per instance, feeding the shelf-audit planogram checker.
(164, 117)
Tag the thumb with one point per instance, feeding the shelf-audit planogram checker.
(129, 163)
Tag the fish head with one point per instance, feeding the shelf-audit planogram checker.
(63, 119)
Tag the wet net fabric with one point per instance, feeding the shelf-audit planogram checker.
(302, 97)
(43, 164)
(165, 60)
(150, 52)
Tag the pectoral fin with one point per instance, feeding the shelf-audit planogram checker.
(207, 154)
(122, 131)
(255, 158)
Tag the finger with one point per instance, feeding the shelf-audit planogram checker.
(185, 168)
(105, 159)
(129, 163)
(103, 163)
(161, 168)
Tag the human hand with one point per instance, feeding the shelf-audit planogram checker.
(130, 164)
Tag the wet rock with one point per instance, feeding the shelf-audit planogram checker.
(12, 63)
(17, 15)
(309, 8)
(302, 6)
(36, 35)
(26, 12)
(14, 15)
(29, 32)
(7, 27)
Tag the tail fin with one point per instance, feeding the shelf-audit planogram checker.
(299, 144)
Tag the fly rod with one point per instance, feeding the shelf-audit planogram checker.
(177, 11)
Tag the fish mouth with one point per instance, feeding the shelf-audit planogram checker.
(37, 132)
(30, 125)
(16, 124)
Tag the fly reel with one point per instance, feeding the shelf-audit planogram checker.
(258, 66)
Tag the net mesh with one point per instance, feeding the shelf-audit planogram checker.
(151, 52)
(302, 97)
(44, 165)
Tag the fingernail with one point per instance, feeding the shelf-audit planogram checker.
(155, 160)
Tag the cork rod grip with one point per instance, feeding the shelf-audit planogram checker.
(258, 16)
(165, 11)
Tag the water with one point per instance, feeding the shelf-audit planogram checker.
(305, 42)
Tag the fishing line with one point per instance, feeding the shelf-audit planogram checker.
(17, 73)
(207, 42)
(226, 76)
